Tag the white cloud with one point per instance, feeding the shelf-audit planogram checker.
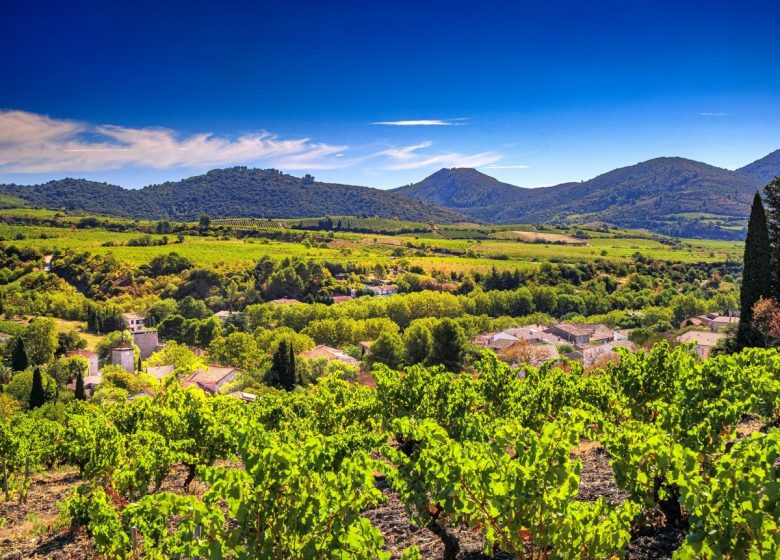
(32, 143)
(423, 122)
(408, 157)
(714, 114)
(506, 166)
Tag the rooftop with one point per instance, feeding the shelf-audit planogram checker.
(323, 351)
(702, 338)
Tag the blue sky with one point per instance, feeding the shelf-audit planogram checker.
(533, 93)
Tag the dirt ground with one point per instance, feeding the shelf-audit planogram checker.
(36, 529)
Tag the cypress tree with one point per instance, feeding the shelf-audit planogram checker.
(277, 375)
(289, 381)
(756, 272)
(772, 195)
(81, 394)
(37, 394)
(138, 366)
(19, 361)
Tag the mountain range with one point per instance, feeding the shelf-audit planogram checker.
(670, 195)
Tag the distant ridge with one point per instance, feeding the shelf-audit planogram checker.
(670, 195)
(764, 169)
(236, 192)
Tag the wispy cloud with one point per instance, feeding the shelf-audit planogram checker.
(424, 122)
(409, 157)
(33, 143)
(506, 166)
(714, 114)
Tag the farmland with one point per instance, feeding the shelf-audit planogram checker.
(427, 250)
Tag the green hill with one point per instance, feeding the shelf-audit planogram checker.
(230, 193)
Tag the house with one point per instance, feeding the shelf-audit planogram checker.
(342, 299)
(574, 334)
(225, 315)
(211, 379)
(323, 351)
(712, 321)
(719, 322)
(248, 397)
(383, 290)
(160, 372)
(90, 383)
(582, 335)
(284, 301)
(122, 356)
(703, 341)
(133, 322)
(591, 354)
(535, 333)
(495, 341)
(147, 341)
(90, 356)
(4, 337)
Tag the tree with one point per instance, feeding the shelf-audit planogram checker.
(20, 386)
(449, 345)
(418, 342)
(65, 370)
(70, 340)
(282, 372)
(40, 340)
(81, 394)
(289, 380)
(204, 222)
(766, 319)
(172, 328)
(685, 306)
(527, 353)
(772, 194)
(756, 271)
(37, 394)
(388, 349)
(19, 361)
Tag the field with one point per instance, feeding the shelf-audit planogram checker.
(472, 248)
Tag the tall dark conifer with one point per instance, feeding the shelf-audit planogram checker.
(280, 364)
(81, 394)
(756, 272)
(37, 394)
(289, 380)
(772, 196)
(19, 361)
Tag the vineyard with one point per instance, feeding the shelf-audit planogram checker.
(330, 223)
(487, 457)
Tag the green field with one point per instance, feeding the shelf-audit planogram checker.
(428, 251)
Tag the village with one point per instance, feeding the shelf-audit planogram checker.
(593, 345)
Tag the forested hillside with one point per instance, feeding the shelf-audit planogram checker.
(229, 193)
(675, 196)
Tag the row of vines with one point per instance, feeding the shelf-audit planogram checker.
(293, 474)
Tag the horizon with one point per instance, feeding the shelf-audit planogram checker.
(300, 175)
(383, 97)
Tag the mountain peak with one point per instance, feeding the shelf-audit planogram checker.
(764, 169)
